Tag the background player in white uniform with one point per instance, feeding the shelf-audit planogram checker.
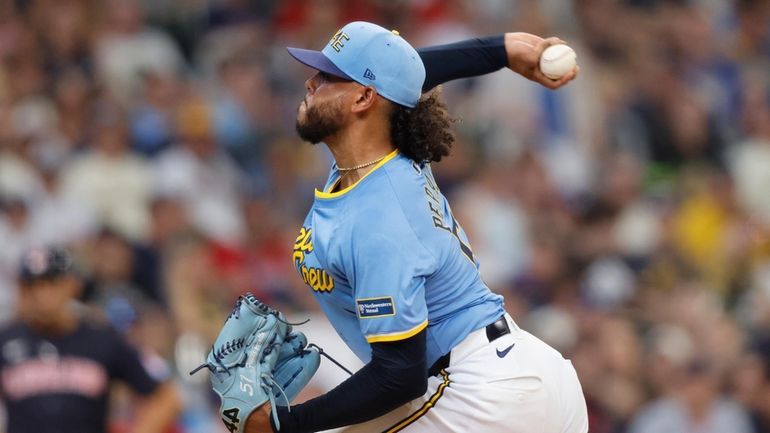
(393, 270)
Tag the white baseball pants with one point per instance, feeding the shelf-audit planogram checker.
(531, 388)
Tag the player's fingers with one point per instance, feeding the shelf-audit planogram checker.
(555, 84)
(539, 77)
(575, 72)
(569, 76)
(545, 43)
(527, 38)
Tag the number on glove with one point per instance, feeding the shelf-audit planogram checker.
(245, 387)
(232, 415)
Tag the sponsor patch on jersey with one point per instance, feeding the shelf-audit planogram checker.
(375, 307)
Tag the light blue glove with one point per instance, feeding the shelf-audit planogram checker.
(295, 367)
(243, 358)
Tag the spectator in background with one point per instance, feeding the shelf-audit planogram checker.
(123, 276)
(72, 95)
(242, 114)
(57, 366)
(65, 29)
(128, 48)
(109, 179)
(750, 158)
(497, 225)
(15, 236)
(169, 222)
(201, 175)
(750, 382)
(697, 405)
(152, 121)
(59, 218)
(17, 172)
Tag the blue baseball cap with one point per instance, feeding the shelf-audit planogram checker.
(371, 56)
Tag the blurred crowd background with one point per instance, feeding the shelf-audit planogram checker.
(626, 217)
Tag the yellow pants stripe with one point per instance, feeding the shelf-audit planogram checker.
(424, 409)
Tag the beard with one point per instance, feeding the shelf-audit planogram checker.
(320, 121)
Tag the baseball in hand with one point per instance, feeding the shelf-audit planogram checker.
(557, 60)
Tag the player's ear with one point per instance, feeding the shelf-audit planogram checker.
(365, 99)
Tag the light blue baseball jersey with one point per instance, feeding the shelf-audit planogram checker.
(385, 259)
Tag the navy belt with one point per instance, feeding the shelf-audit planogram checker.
(495, 330)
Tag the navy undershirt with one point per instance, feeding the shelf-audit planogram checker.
(464, 59)
(397, 372)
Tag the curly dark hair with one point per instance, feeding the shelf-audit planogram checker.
(423, 133)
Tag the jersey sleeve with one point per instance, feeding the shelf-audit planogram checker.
(127, 367)
(388, 268)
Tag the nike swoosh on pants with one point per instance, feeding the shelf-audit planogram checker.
(505, 351)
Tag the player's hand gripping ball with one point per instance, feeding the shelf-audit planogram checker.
(557, 60)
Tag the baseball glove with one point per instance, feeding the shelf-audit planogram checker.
(297, 363)
(255, 359)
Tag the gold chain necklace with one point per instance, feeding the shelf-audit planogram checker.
(367, 164)
(346, 171)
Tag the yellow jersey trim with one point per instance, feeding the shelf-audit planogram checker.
(406, 422)
(398, 335)
(325, 194)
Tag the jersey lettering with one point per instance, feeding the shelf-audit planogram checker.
(434, 202)
(434, 205)
(466, 248)
(69, 375)
(316, 278)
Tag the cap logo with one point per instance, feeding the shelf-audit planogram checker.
(37, 260)
(368, 74)
(337, 40)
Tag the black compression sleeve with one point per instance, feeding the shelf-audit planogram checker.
(396, 374)
(468, 58)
